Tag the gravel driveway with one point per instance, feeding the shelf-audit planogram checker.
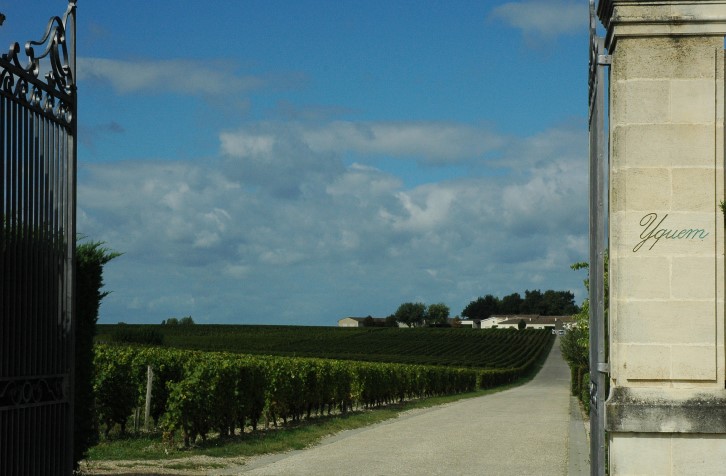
(521, 431)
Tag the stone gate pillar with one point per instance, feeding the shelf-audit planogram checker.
(666, 412)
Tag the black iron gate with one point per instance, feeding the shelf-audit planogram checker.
(37, 249)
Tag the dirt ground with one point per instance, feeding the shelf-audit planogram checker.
(189, 466)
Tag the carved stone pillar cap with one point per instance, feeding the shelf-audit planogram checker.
(633, 18)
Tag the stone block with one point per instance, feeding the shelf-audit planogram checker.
(640, 102)
(636, 58)
(698, 454)
(694, 278)
(645, 362)
(664, 145)
(667, 322)
(644, 278)
(641, 189)
(694, 189)
(693, 101)
(693, 362)
(640, 454)
(622, 236)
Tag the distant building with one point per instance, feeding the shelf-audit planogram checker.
(359, 321)
(473, 323)
(557, 323)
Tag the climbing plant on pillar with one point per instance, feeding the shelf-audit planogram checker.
(575, 344)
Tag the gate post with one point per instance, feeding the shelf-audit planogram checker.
(666, 413)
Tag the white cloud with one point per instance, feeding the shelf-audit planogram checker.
(438, 143)
(426, 208)
(544, 18)
(217, 239)
(210, 78)
(434, 141)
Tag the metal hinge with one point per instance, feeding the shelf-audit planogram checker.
(604, 59)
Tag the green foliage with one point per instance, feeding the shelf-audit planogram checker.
(437, 314)
(196, 392)
(483, 348)
(575, 344)
(391, 321)
(115, 388)
(481, 308)
(186, 321)
(90, 259)
(521, 324)
(125, 334)
(549, 303)
(223, 391)
(411, 313)
(511, 304)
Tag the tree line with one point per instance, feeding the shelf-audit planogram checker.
(548, 303)
(413, 314)
(416, 314)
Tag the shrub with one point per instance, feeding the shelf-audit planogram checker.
(90, 259)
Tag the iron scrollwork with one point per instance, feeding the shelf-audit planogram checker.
(55, 96)
(32, 391)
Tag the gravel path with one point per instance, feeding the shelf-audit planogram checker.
(522, 431)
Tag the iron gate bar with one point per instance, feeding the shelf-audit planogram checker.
(38, 130)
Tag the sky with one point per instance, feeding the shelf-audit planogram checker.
(295, 162)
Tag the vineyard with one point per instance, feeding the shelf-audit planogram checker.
(304, 372)
(199, 392)
(487, 348)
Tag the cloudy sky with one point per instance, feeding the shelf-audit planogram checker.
(295, 162)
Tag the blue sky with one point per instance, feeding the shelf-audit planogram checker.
(295, 162)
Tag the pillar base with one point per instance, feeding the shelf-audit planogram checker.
(640, 410)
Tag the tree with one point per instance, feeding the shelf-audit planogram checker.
(558, 303)
(391, 321)
(369, 322)
(438, 314)
(511, 304)
(521, 324)
(482, 308)
(186, 321)
(411, 313)
(532, 303)
(172, 321)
